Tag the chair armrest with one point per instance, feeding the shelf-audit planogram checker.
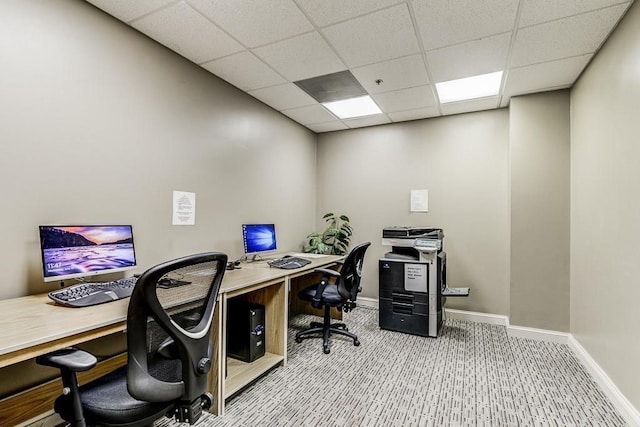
(71, 359)
(326, 275)
(168, 349)
(327, 272)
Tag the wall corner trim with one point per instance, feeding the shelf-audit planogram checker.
(622, 404)
(538, 334)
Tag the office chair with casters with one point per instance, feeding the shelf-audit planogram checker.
(336, 289)
(168, 352)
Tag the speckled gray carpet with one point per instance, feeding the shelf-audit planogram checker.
(473, 374)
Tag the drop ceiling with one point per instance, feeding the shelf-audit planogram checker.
(397, 50)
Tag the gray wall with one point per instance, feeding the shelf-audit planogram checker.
(605, 207)
(462, 160)
(100, 124)
(539, 177)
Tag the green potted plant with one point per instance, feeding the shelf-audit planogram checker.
(332, 241)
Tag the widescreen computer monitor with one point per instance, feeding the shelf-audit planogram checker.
(258, 238)
(85, 250)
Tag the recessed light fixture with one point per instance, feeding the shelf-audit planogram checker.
(353, 107)
(470, 87)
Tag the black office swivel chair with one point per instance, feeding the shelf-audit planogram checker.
(336, 289)
(169, 352)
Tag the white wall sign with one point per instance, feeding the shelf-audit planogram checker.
(184, 208)
(419, 200)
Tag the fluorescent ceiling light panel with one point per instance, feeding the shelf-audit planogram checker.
(469, 88)
(353, 107)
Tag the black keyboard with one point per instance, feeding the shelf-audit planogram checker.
(289, 262)
(86, 294)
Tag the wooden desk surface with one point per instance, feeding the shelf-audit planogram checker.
(34, 325)
(255, 272)
(32, 321)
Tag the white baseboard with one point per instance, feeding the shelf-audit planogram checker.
(451, 313)
(538, 334)
(622, 404)
(368, 302)
(474, 316)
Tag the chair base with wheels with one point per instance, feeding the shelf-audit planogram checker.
(326, 329)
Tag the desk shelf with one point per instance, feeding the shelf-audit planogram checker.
(273, 296)
(240, 374)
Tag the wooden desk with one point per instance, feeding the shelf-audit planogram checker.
(34, 325)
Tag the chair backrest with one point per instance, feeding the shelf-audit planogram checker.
(351, 272)
(168, 328)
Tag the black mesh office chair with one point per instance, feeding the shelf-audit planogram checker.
(169, 352)
(336, 289)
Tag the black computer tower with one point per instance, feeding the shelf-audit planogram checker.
(245, 330)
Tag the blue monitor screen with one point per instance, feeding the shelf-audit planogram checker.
(258, 238)
(76, 251)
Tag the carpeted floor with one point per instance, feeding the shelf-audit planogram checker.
(473, 374)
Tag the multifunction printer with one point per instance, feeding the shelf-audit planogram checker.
(413, 280)
(410, 276)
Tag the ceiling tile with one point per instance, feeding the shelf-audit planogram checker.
(405, 99)
(564, 38)
(395, 74)
(244, 71)
(419, 113)
(443, 23)
(256, 23)
(127, 10)
(261, 46)
(185, 31)
(328, 127)
(331, 11)
(546, 75)
(283, 97)
(376, 37)
(469, 59)
(379, 119)
(310, 115)
(537, 11)
(469, 106)
(301, 57)
(332, 87)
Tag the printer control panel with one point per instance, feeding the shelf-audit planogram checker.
(428, 244)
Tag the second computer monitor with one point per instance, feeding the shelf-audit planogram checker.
(259, 238)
